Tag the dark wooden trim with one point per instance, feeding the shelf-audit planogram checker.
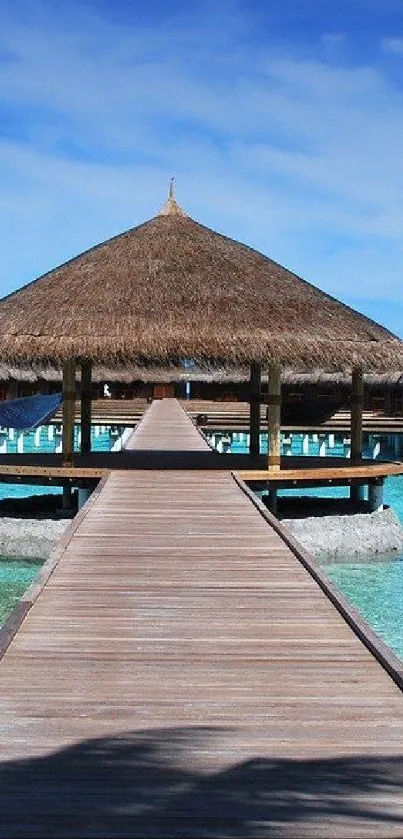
(357, 401)
(86, 375)
(383, 654)
(255, 398)
(274, 417)
(68, 411)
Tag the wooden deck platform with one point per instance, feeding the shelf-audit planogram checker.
(335, 471)
(110, 411)
(182, 674)
(232, 416)
(296, 471)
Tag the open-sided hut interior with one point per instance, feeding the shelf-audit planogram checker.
(172, 291)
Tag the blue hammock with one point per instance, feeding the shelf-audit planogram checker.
(29, 412)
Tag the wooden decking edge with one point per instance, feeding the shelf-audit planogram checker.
(137, 425)
(197, 427)
(383, 654)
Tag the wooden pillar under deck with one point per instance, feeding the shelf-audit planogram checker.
(69, 407)
(86, 380)
(357, 404)
(274, 418)
(255, 395)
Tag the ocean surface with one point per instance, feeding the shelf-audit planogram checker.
(16, 575)
(375, 587)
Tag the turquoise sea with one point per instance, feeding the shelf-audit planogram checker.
(375, 586)
(16, 575)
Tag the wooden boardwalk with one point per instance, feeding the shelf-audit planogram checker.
(182, 675)
(232, 416)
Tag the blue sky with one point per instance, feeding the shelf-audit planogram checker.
(282, 122)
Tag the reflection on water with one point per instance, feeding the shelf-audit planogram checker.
(16, 574)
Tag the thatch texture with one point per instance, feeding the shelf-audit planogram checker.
(172, 289)
(128, 373)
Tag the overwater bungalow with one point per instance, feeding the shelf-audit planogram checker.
(182, 666)
(172, 301)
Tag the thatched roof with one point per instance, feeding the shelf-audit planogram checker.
(172, 289)
(127, 374)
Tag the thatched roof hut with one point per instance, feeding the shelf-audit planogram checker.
(172, 289)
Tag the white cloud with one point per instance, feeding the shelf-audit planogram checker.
(300, 158)
(333, 38)
(394, 45)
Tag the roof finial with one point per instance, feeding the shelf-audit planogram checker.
(171, 207)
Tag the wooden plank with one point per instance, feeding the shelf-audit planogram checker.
(181, 673)
(254, 408)
(274, 418)
(86, 375)
(371, 471)
(357, 402)
(69, 395)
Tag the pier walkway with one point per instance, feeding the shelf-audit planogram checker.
(181, 674)
(234, 416)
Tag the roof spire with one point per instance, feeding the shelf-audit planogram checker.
(171, 207)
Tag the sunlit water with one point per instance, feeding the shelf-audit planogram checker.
(15, 577)
(373, 585)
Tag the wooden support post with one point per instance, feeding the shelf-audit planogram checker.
(375, 496)
(357, 402)
(86, 377)
(69, 408)
(254, 408)
(274, 418)
(67, 497)
(271, 500)
(357, 493)
(83, 495)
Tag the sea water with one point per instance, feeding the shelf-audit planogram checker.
(16, 575)
(375, 587)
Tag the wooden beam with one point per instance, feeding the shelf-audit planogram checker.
(357, 403)
(375, 497)
(364, 473)
(69, 404)
(274, 418)
(86, 379)
(255, 396)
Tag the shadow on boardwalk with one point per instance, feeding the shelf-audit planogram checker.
(143, 785)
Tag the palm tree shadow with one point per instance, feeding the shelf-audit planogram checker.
(146, 785)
